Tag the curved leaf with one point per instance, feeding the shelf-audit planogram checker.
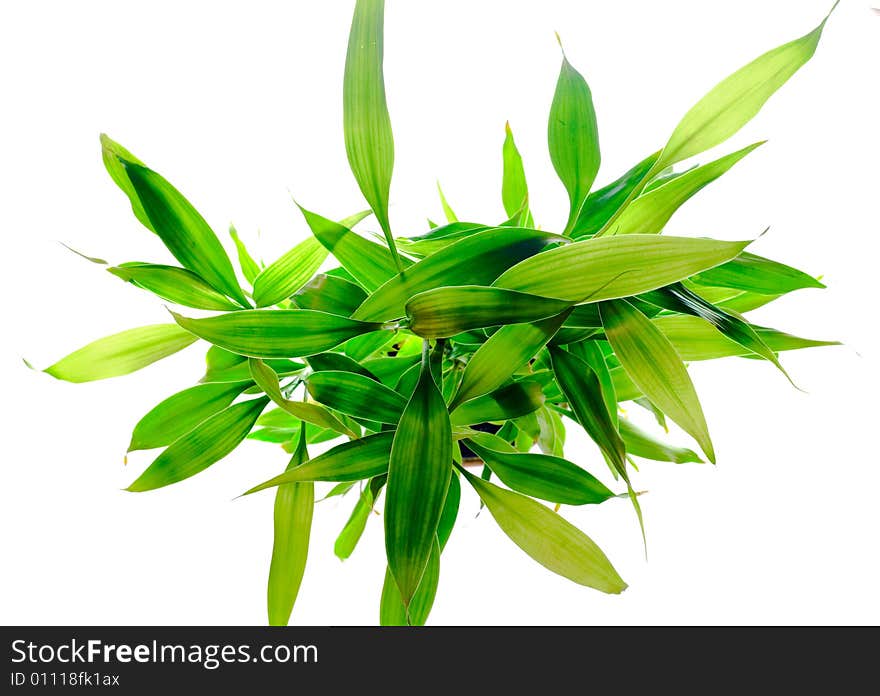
(757, 274)
(113, 154)
(326, 293)
(642, 444)
(392, 611)
(512, 401)
(356, 395)
(514, 189)
(280, 279)
(249, 267)
(174, 284)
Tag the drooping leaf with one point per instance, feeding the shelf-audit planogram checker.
(294, 507)
(573, 138)
(474, 260)
(249, 267)
(326, 293)
(350, 461)
(282, 278)
(591, 353)
(450, 511)
(734, 101)
(393, 612)
(181, 412)
(174, 284)
(357, 521)
(446, 311)
(418, 476)
(498, 358)
(653, 364)
(356, 395)
(613, 267)
(545, 536)
(757, 274)
(649, 213)
(113, 154)
(642, 444)
(268, 333)
(121, 353)
(541, 476)
(551, 437)
(202, 446)
(369, 143)
(184, 231)
(514, 400)
(514, 189)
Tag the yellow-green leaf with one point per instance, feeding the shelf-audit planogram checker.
(174, 284)
(281, 278)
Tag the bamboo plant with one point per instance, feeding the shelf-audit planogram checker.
(416, 357)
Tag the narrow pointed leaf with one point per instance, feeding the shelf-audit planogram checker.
(121, 353)
(573, 138)
(183, 411)
(357, 521)
(613, 267)
(326, 293)
(249, 267)
(549, 539)
(591, 353)
(184, 231)
(734, 101)
(656, 368)
(113, 155)
(294, 507)
(514, 189)
(446, 311)
(542, 476)
(641, 444)
(202, 446)
(267, 333)
(280, 279)
(450, 511)
(356, 395)
(418, 476)
(757, 274)
(369, 143)
(392, 611)
(174, 284)
(649, 213)
(448, 212)
(512, 401)
(338, 362)
(504, 353)
(353, 220)
(551, 436)
(475, 260)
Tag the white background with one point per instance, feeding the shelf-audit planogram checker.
(240, 105)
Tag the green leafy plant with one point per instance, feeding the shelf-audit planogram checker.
(469, 344)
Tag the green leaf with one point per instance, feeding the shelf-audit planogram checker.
(540, 475)
(174, 284)
(642, 444)
(356, 395)
(369, 143)
(448, 212)
(362, 347)
(326, 293)
(357, 521)
(418, 477)
(267, 380)
(591, 353)
(551, 436)
(606, 201)
(450, 511)
(338, 362)
(294, 506)
(184, 231)
(655, 367)
(353, 220)
(548, 538)
(439, 238)
(392, 611)
(573, 138)
(202, 446)
(696, 339)
(121, 353)
(369, 263)
(269, 333)
(280, 279)
(113, 154)
(757, 274)
(474, 260)
(504, 353)
(350, 461)
(249, 267)
(612, 267)
(446, 311)
(512, 401)
(649, 213)
(514, 189)
(181, 412)
(734, 101)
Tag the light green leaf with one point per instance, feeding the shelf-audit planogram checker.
(356, 395)
(418, 477)
(326, 293)
(514, 189)
(280, 279)
(113, 154)
(369, 143)
(357, 521)
(653, 364)
(514, 400)
(545, 536)
(268, 333)
(392, 611)
(181, 412)
(551, 436)
(756, 274)
(249, 267)
(294, 506)
(641, 444)
(174, 284)
(448, 212)
(121, 353)
(202, 446)
(338, 362)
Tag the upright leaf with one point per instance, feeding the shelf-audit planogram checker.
(514, 189)
(548, 538)
(448, 212)
(418, 476)
(280, 279)
(294, 506)
(121, 353)
(369, 143)
(249, 267)
(652, 363)
(573, 138)
(113, 155)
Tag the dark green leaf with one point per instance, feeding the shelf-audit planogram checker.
(512, 401)
(392, 611)
(356, 395)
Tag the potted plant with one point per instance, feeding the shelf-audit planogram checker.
(417, 358)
